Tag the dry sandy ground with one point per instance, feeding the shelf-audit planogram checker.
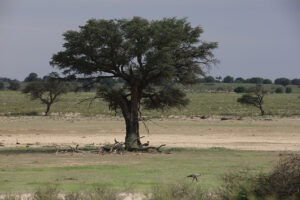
(248, 134)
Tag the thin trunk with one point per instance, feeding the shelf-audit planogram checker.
(48, 108)
(261, 110)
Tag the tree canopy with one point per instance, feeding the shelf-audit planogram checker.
(282, 81)
(255, 97)
(47, 91)
(143, 54)
(32, 77)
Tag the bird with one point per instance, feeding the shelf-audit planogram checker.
(194, 176)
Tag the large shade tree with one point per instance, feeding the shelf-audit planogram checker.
(144, 54)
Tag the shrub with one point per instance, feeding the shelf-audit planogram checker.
(256, 80)
(279, 90)
(14, 85)
(209, 79)
(295, 81)
(179, 191)
(282, 81)
(228, 79)
(47, 193)
(288, 90)
(1, 85)
(282, 183)
(267, 81)
(240, 89)
(239, 80)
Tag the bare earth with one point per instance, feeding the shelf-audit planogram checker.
(248, 134)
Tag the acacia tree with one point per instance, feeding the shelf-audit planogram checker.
(143, 54)
(255, 97)
(47, 91)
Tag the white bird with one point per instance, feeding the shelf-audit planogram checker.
(194, 176)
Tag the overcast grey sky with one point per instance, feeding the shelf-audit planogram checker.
(256, 37)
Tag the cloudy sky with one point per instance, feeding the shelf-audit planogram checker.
(256, 37)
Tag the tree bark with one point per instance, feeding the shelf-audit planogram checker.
(48, 108)
(261, 110)
(132, 139)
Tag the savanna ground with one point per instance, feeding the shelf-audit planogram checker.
(211, 146)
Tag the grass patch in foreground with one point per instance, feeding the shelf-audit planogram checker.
(281, 182)
(25, 172)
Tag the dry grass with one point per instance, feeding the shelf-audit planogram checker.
(277, 134)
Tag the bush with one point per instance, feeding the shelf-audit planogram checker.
(267, 81)
(282, 81)
(179, 191)
(47, 193)
(240, 89)
(14, 85)
(295, 81)
(209, 79)
(228, 79)
(288, 90)
(239, 80)
(256, 80)
(279, 90)
(1, 85)
(282, 183)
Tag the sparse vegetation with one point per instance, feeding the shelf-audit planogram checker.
(48, 91)
(282, 183)
(279, 90)
(255, 97)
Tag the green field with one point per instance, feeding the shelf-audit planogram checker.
(25, 172)
(208, 104)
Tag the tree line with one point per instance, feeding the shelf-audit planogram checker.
(255, 80)
(82, 85)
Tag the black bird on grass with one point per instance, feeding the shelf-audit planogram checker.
(194, 176)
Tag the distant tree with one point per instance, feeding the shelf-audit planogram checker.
(254, 97)
(240, 89)
(209, 79)
(219, 79)
(32, 77)
(279, 90)
(256, 80)
(295, 81)
(143, 54)
(4, 79)
(228, 79)
(1, 85)
(267, 81)
(14, 85)
(288, 90)
(47, 91)
(110, 82)
(239, 80)
(282, 81)
(46, 77)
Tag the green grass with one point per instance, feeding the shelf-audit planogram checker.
(27, 171)
(209, 104)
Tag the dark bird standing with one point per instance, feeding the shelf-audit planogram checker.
(194, 176)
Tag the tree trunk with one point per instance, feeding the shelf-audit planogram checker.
(48, 108)
(261, 110)
(132, 139)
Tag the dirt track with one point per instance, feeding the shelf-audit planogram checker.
(277, 134)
